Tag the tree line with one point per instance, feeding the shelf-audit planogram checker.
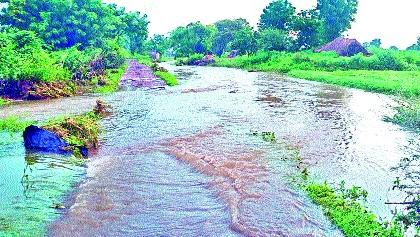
(281, 28)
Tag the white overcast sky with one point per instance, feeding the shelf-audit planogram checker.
(396, 22)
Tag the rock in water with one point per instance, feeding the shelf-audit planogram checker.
(43, 140)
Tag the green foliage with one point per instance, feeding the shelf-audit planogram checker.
(194, 38)
(308, 25)
(374, 43)
(244, 41)
(189, 60)
(225, 34)
(336, 17)
(278, 14)
(388, 82)
(112, 80)
(3, 101)
(326, 61)
(415, 46)
(408, 116)
(158, 43)
(168, 77)
(343, 208)
(22, 57)
(64, 24)
(272, 39)
(14, 124)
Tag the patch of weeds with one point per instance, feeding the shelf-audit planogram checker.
(266, 136)
(3, 101)
(342, 207)
(408, 116)
(14, 124)
(111, 81)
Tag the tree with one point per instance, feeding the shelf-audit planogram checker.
(307, 26)
(225, 31)
(272, 39)
(415, 46)
(278, 14)
(244, 41)
(194, 38)
(374, 43)
(336, 17)
(158, 43)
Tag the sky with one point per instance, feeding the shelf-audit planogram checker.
(396, 22)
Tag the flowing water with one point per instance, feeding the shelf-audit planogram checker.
(184, 161)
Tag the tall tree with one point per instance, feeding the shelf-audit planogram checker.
(225, 31)
(278, 14)
(415, 46)
(272, 39)
(244, 41)
(307, 27)
(194, 38)
(336, 17)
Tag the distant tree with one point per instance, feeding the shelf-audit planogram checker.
(278, 14)
(158, 43)
(272, 39)
(415, 46)
(194, 38)
(307, 25)
(135, 30)
(224, 35)
(244, 41)
(336, 17)
(374, 43)
(393, 47)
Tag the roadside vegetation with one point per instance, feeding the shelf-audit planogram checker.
(41, 57)
(343, 207)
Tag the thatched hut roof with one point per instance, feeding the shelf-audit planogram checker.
(344, 47)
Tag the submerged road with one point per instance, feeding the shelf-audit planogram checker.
(183, 161)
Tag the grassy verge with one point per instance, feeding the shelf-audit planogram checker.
(343, 209)
(13, 124)
(404, 83)
(112, 81)
(168, 77)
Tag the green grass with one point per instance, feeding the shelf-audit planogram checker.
(168, 77)
(351, 217)
(403, 83)
(14, 124)
(112, 80)
(3, 101)
(408, 116)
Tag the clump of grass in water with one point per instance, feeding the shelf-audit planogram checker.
(342, 207)
(408, 116)
(80, 131)
(266, 136)
(169, 78)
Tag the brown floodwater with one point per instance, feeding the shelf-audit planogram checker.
(184, 162)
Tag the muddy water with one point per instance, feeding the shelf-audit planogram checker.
(183, 162)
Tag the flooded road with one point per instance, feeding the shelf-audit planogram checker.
(184, 162)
